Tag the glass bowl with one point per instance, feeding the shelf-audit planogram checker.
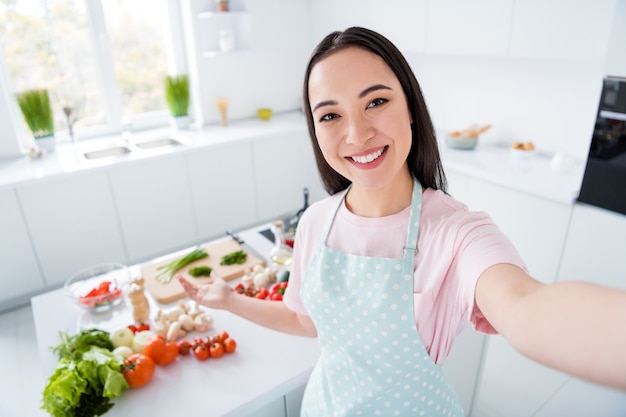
(98, 288)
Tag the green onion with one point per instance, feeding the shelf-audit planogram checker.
(170, 269)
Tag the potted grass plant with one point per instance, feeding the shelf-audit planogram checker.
(37, 112)
(177, 97)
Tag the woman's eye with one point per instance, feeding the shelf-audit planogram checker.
(327, 117)
(377, 102)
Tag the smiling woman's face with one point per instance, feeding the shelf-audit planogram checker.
(362, 122)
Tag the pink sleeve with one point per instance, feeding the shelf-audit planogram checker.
(481, 246)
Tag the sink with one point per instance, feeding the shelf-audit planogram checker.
(157, 143)
(105, 153)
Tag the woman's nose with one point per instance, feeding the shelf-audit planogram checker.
(359, 130)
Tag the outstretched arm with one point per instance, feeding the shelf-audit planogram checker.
(575, 327)
(271, 314)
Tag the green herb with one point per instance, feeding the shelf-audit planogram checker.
(37, 112)
(237, 257)
(87, 377)
(200, 271)
(171, 268)
(177, 94)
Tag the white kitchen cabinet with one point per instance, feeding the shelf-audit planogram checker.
(72, 224)
(293, 401)
(561, 29)
(579, 398)
(153, 199)
(284, 164)
(275, 408)
(222, 186)
(20, 269)
(595, 247)
(536, 226)
(460, 27)
(513, 386)
(404, 22)
(463, 366)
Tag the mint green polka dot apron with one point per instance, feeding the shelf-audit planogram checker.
(373, 361)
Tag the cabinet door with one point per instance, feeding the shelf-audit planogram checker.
(594, 250)
(275, 408)
(463, 365)
(153, 199)
(512, 385)
(536, 226)
(20, 271)
(284, 164)
(561, 29)
(461, 27)
(72, 223)
(222, 188)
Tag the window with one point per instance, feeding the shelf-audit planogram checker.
(104, 59)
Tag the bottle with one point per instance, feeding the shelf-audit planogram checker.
(281, 254)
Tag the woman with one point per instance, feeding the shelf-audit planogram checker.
(389, 268)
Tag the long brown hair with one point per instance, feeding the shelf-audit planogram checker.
(423, 160)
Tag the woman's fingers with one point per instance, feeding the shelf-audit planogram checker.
(187, 286)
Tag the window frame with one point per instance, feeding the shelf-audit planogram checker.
(174, 47)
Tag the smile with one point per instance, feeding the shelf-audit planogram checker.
(364, 159)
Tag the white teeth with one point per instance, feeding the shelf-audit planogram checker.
(368, 158)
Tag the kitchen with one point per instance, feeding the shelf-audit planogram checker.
(514, 67)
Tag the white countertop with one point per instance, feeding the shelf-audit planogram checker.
(532, 174)
(489, 161)
(266, 365)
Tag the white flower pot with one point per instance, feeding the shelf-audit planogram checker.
(180, 123)
(46, 144)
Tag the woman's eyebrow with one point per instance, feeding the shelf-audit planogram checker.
(361, 95)
(373, 88)
(324, 103)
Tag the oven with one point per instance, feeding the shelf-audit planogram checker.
(604, 181)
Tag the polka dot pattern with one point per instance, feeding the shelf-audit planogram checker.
(372, 362)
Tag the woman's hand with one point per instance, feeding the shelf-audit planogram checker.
(213, 295)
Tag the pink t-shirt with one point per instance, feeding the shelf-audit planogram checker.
(454, 247)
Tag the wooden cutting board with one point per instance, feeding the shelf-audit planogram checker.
(172, 291)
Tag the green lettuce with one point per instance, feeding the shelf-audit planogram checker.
(83, 385)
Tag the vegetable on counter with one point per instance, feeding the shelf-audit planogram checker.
(87, 377)
(237, 257)
(170, 269)
(200, 271)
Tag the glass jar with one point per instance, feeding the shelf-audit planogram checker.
(281, 254)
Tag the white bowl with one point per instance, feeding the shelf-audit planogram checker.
(461, 143)
(87, 287)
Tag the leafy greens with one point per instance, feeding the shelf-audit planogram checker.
(87, 377)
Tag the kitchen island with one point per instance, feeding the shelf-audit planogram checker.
(265, 376)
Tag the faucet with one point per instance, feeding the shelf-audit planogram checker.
(127, 124)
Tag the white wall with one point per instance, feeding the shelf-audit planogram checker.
(616, 52)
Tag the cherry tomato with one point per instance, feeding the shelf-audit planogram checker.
(263, 293)
(223, 335)
(133, 328)
(183, 347)
(138, 370)
(229, 345)
(143, 326)
(161, 351)
(216, 350)
(276, 297)
(240, 288)
(201, 352)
